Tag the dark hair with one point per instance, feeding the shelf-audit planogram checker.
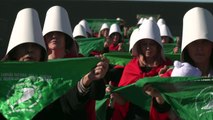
(120, 39)
(186, 58)
(69, 41)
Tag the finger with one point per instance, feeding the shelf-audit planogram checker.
(98, 71)
(165, 66)
(103, 65)
(108, 89)
(110, 83)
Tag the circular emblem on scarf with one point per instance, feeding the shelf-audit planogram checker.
(204, 103)
(25, 95)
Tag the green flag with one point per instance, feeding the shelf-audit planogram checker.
(172, 57)
(27, 87)
(95, 24)
(190, 97)
(168, 48)
(118, 58)
(131, 93)
(86, 45)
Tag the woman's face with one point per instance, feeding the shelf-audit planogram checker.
(115, 38)
(28, 52)
(165, 39)
(148, 48)
(105, 32)
(200, 51)
(55, 40)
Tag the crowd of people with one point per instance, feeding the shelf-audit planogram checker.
(57, 40)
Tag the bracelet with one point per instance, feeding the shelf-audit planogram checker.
(81, 88)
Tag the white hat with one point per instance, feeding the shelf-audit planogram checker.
(79, 31)
(185, 69)
(118, 19)
(26, 29)
(149, 30)
(161, 21)
(104, 26)
(145, 19)
(57, 19)
(197, 24)
(133, 38)
(114, 28)
(84, 23)
(152, 18)
(140, 21)
(165, 31)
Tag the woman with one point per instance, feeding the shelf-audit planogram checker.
(60, 44)
(114, 42)
(104, 31)
(79, 32)
(26, 41)
(22, 45)
(166, 35)
(85, 24)
(196, 49)
(148, 61)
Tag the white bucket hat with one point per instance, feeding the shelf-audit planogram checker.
(149, 30)
(26, 29)
(140, 21)
(165, 31)
(133, 38)
(79, 31)
(197, 24)
(84, 23)
(161, 21)
(152, 18)
(57, 19)
(145, 19)
(114, 28)
(104, 26)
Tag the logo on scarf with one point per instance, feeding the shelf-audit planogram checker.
(204, 103)
(25, 95)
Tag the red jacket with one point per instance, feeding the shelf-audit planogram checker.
(112, 47)
(132, 72)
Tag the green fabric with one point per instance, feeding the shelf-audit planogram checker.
(125, 47)
(131, 29)
(27, 87)
(126, 40)
(135, 95)
(131, 93)
(95, 24)
(190, 97)
(168, 47)
(118, 58)
(173, 57)
(100, 108)
(156, 16)
(86, 45)
(122, 58)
